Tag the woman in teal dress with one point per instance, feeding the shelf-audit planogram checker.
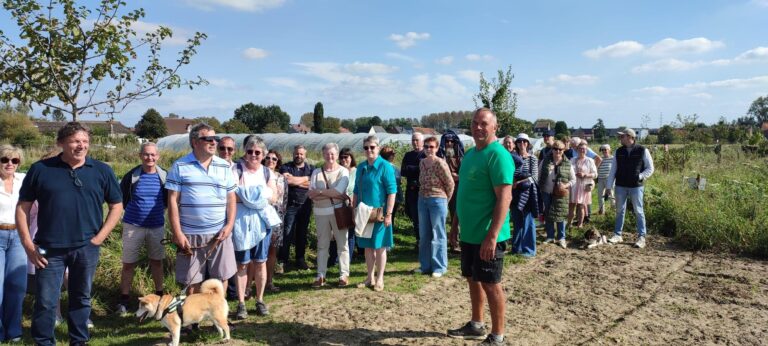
(375, 186)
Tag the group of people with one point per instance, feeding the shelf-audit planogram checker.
(235, 219)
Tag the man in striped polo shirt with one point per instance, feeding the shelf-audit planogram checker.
(201, 207)
(143, 223)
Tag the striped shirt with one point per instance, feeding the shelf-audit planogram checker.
(203, 201)
(147, 205)
(605, 168)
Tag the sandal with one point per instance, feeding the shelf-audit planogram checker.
(364, 284)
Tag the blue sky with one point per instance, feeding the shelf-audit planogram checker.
(573, 60)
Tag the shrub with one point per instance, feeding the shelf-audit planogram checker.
(18, 129)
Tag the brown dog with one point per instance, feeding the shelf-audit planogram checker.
(208, 304)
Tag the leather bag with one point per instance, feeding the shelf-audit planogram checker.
(344, 215)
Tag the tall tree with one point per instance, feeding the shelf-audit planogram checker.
(561, 128)
(317, 118)
(599, 131)
(349, 124)
(498, 96)
(58, 115)
(331, 125)
(759, 109)
(666, 135)
(65, 52)
(261, 119)
(151, 125)
(234, 126)
(375, 121)
(306, 119)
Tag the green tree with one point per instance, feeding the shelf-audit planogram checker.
(666, 135)
(211, 121)
(16, 127)
(58, 115)
(599, 131)
(263, 119)
(498, 96)
(317, 118)
(759, 109)
(349, 124)
(561, 128)
(331, 125)
(234, 126)
(306, 119)
(375, 121)
(151, 125)
(66, 52)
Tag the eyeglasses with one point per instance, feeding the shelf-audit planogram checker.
(430, 146)
(369, 147)
(209, 139)
(557, 149)
(73, 175)
(227, 149)
(346, 157)
(253, 152)
(14, 160)
(271, 158)
(603, 149)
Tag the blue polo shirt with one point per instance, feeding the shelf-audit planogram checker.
(203, 201)
(68, 215)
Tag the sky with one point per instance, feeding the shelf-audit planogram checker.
(575, 61)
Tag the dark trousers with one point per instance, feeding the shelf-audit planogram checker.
(412, 209)
(296, 225)
(82, 262)
(333, 256)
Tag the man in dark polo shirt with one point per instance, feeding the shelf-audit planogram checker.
(299, 208)
(409, 168)
(70, 189)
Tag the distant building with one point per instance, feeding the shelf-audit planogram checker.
(299, 128)
(114, 128)
(586, 134)
(371, 129)
(542, 126)
(426, 131)
(344, 130)
(177, 126)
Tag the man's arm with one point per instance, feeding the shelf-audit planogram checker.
(231, 211)
(503, 199)
(297, 181)
(113, 217)
(648, 161)
(23, 209)
(173, 218)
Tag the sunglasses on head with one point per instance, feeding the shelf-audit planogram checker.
(369, 147)
(14, 160)
(209, 139)
(253, 152)
(227, 149)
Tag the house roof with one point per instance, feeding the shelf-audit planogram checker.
(177, 126)
(54, 126)
(299, 128)
(543, 125)
(425, 130)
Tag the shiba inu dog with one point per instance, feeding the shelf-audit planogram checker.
(593, 238)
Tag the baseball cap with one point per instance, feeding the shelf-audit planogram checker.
(628, 132)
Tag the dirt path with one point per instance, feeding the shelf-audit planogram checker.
(607, 295)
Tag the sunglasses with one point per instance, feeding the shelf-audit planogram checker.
(227, 149)
(272, 158)
(430, 146)
(603, 149)
(76, 180)
(209, 139)
(253, 152)
(14, 160)
(346, 157)
(369, 147)
(557, 149)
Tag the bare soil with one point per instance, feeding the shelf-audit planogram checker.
(612, 294)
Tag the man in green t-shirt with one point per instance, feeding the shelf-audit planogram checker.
(483, 199)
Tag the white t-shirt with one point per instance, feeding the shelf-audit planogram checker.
(338, 180)
(8, 200)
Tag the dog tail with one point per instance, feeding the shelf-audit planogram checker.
(212, 286)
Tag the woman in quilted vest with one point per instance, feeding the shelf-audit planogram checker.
(555, 180)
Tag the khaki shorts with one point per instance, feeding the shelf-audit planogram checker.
(134, 237)
(221, 265)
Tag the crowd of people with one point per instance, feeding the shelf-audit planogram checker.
(236, 219)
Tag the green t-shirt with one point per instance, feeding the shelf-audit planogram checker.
(480, 172)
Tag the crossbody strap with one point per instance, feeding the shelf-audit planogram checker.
(327, 186)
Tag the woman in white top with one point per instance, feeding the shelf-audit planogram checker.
(273, 161)
(327, 189)
(346, 160)
(13, 259)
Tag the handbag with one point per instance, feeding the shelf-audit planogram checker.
(377, 214)
(344, 215)
(558, 190)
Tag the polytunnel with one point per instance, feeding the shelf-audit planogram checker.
(285, 142)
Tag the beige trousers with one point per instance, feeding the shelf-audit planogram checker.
(327, 229)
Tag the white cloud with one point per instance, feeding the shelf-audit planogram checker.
(583, 79)
(471, 76)
(478, 57)
(671, 46)
(756, 54)
(254, 53)
(668, 65)
(699, 89)
(398, 56)
(616, 50)
(408, 39)
(284, 82)
(372, 68)
(446, 60)
(222, 83)
(240, 5)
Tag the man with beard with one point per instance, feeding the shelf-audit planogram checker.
(409, 169)
(452, 150)
(297, 174)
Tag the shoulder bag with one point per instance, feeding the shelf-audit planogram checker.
(345, 216)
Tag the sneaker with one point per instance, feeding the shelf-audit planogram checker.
(561, 243)
(615, 239)
(279, 268)
(16, 339)
(59, 320)
(491, 341)
(549, 241)
(89, 324)
(241, 313)
(261, 309)
(468, 332)
(302, 265)
(437, 275)
(640, 243)
(121, 310)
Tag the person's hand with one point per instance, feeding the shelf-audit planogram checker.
(182, 243)
(38, 260)
(488, 249)
(388, 220)
(224, 233)
(453, 237)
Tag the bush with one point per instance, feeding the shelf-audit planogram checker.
(18, 129)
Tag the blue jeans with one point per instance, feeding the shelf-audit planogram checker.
(636, 195)
(433, 241)
(296, 223)
(13, 284)
(524, 237)
(82, 262)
